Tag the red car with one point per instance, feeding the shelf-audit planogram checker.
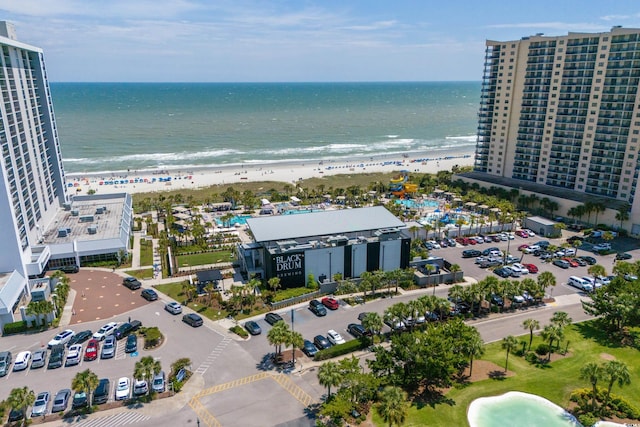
(522, 247)
(531, 267)
(522, 233)
(571, 262)
(91, 353)
(330, 303)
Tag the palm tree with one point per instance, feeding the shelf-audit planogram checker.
(592, 373)
(615, 371)
(146, 368)
(372, 322)
(474, 348)
(85, 381)
(278, 335)
(274, 283)
(393, 405)
(329, 376)
(531, 325)
(552, 333)
(597, 270)
(509, 343)
(546, 279)
(561, 319)
(21, 398)
(623, 213)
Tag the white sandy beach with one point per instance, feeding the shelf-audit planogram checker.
(291, 172)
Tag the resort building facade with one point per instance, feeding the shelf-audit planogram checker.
(347, 242)
(33, 188)
(560, 117)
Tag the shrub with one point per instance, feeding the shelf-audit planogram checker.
(152, 336)
(239, 330)
(340, 349)
(14, 327)
(531, 357)
(587, 419)
(542, 349)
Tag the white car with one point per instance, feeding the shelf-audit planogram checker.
(105, 331)
(173, 307)
(570, 252)
(520, 268)
(602, 247)
(529, 232)
(335, 338)
(123, 389)
(74, 355)
(603, 280)
(62, 338)
(512, 272)
(22, 361)
(140, 387)
(531, 249)
(435, 244)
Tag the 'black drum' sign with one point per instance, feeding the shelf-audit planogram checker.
(289, 267)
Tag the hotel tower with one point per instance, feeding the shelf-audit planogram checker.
(560, 117)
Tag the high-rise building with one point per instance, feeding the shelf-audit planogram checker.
(561, 115)
(41, 224)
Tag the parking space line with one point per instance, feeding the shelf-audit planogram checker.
(204, 366)
(203, 414)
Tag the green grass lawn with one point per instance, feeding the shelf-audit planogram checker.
(204, 258)
(143, 273)
(146, 252)
(554, 382)
(174, 291)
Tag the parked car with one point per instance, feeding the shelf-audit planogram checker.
(22, 361)
(512, 271)
(601, 247)
(140, 387)
(80, 337)
(38, 359)
(309, 348)
(334, 337)
(61, 400)
(488, 251)
(356, 329)
(92, 350)
(362, 315)
(123, 330)
(56, 357)
(522, 233)
(123, 389)
(149, 294)
(173, 307)
(80, 400)
(571, 262)
(502, 272)
(471, 253)
(101, 393)
(159, 383)
(16, 414)
(252, 327)
(273, 318)
(105, 331)
(575, 239)
(531, 267)
(330, 303)
(519, 268)
(621, 256)
(588, 259)
(74, 355)
(132, 344)
(561, 263)
(192, 319)
(131, 283)
(321, 342)
(108, 348)
(497, 300)
(40, 405)
(69, 268)
(580, 283)
(61, 338)
(317, 308)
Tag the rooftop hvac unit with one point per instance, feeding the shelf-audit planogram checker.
(92, 229)
(62, 232)
(86, 218)
(75, 212)
(66, 206)
(99, 210)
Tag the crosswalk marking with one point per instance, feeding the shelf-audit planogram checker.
(120, 419)
(213, 356)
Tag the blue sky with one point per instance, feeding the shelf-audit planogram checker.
(290, 40)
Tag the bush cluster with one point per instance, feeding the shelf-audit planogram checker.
(340, 349)
(14, 328)
(239, 330)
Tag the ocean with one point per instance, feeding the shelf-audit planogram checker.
(108, 127)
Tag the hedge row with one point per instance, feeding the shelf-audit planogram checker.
(15, 327)
(340, 349)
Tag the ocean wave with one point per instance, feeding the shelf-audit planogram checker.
(470, 138)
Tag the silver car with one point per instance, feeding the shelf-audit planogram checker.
(38, 359)
(61, 401)
(108, 348)
(40, 405)
(159, 383)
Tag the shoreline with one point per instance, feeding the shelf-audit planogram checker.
(289, 171)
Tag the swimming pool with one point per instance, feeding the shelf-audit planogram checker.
(414, 204)
(300, 211)
(237, 219)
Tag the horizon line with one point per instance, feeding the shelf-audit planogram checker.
(270, 82)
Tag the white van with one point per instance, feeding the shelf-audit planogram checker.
(22, 361)
(580, 283)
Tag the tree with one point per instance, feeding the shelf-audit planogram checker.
(531, 325)
(329, 376)
(597, 270)
(278, 335)
(546, 279)
(623, 213)
(146, 368)
(393, 405)
(615, 371)
(274, 283)
(592, 373)
(473, 348)
(85, 381)
(509, 344)
(21, 398)
(372, 322)
(552, 333)
(561, 319)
